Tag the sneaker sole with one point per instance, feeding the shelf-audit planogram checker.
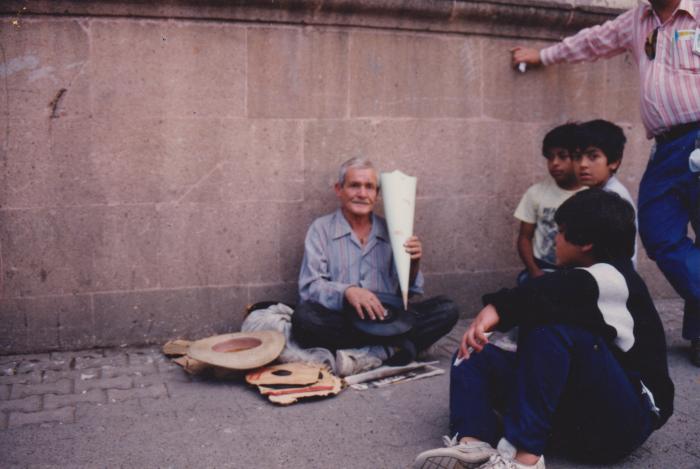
(446, 462)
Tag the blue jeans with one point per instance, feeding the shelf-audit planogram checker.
(668, 200)
(524, 275)
(562, 386)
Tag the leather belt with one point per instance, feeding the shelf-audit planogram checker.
(676, 131)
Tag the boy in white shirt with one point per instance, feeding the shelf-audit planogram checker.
(539, 203)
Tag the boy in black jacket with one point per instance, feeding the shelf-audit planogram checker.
(590, 372)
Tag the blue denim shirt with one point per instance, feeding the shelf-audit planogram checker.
(334, 259)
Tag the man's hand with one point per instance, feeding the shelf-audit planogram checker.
(475, 336)
(364, 301)
(414, 248)
(525, 55)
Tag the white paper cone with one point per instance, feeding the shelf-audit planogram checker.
(399, 194)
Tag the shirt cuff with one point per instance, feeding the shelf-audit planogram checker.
(418, 284)
(547, 55)
(336, 298)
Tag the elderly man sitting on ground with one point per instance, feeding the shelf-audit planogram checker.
(348, 272)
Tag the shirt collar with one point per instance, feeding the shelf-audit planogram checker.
(341, 227)
(688, 6)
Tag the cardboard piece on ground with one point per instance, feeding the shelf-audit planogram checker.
(399, 194)
(328, 385)
(315, 381)
(176, 347)
(300, 374)
(192, 366)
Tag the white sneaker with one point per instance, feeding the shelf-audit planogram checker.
(455, 455)
(501, 461)
(356, 360)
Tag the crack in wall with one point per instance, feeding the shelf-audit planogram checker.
(54, 103)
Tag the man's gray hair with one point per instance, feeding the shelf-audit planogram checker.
(355, 163)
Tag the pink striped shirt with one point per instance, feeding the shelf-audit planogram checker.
(670, 84)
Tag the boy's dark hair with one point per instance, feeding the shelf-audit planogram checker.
(602, 134)
(563, 136)
(602, 219)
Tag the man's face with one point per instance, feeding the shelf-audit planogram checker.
(358, 193)
(561, 167)
(592, 167)
(664, 3)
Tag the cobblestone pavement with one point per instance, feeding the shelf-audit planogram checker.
(132, 407)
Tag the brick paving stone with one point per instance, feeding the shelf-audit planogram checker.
(83, 409)
(111, 352)
(119, 382)
(143, 381)
(3, 421)
(168, 366)
(98, 362)
(95, 396)
(33, 377)
(41, 363)
(132, 370)
(28, 404)
(63, 386)
(9, 368)
(154, 391)
(144, 356)
(4, 392)
(51, 376)
(62, 415)
(68, 356)
(56, 365)
(32, 357)
(10, 360)
(176, 374)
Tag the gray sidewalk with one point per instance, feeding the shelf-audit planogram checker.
(131, 407)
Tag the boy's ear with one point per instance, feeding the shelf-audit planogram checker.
(613, 166)
(586, 248)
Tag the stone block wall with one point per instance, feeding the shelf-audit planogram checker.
(161, 161)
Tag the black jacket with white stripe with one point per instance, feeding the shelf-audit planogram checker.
(607, 299)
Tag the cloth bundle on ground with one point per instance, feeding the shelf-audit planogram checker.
(278, 317)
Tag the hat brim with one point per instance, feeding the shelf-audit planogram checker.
(239, 350)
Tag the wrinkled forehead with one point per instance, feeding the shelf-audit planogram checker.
(361, 175)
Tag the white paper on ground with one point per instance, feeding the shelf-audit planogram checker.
(385, 371)
(399, 194)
